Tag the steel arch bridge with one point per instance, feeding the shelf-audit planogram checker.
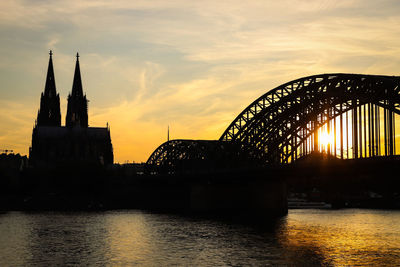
(284, 123)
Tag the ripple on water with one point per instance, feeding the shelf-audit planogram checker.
(303, 237)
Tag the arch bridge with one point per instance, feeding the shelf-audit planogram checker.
(344, 115)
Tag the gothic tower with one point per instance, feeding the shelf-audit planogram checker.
(49, 113)
(77, 110)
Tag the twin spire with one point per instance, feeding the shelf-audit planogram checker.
(77, 111)
(77, 84)
(49, 113)
(50, 87)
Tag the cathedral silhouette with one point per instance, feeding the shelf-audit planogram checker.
(76, 142)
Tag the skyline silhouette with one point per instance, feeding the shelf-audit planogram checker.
(188, 65)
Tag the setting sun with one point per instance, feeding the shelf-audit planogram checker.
(325, 139)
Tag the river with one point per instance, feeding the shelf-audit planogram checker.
(132, 237)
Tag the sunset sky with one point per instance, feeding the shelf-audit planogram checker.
(192, 65)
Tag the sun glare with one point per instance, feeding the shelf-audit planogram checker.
(325, 139)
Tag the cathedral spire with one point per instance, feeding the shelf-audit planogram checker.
(49, 113)
(77, 84)
(77, 110)
(50, 87)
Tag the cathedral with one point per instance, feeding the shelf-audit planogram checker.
(76, 142)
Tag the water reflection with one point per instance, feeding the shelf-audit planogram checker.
(14, 237)
(345, 237)
(66, 239)
(157, 239)
(304, 237)
(128, 239)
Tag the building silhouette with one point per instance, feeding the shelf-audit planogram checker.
(76, 142)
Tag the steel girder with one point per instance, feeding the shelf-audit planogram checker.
(182, 156)
(285, 116)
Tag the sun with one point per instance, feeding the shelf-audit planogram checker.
(325, 139)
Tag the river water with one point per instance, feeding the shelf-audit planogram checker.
(131, 237)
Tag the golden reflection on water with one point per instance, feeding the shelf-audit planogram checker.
(128, 240)
(350, 238)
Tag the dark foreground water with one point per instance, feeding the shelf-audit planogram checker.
(303, 237)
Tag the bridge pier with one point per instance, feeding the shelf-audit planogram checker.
(253, 198)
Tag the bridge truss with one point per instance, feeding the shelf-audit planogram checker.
(180, 156)
(283, 124)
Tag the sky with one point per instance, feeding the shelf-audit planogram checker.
(192, 65)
